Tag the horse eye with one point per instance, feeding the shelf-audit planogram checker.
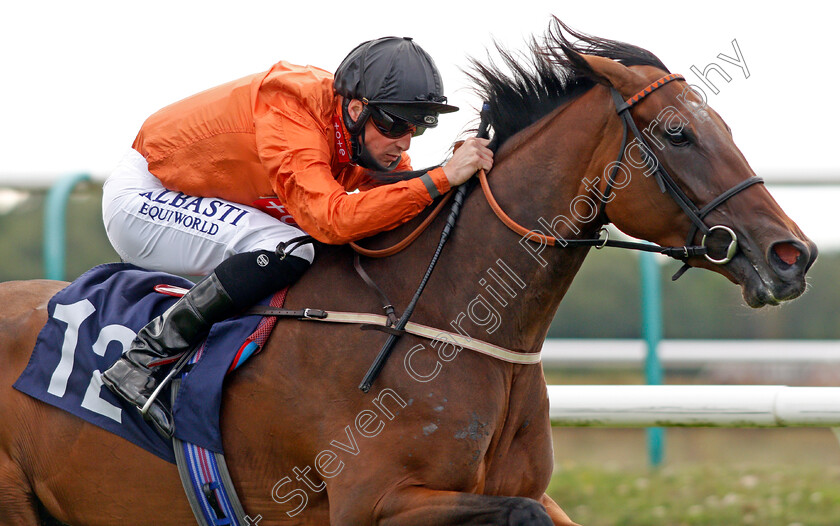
(678, 139)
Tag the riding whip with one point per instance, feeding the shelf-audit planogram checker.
(455, 211)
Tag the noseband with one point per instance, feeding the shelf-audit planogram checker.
(667, 183)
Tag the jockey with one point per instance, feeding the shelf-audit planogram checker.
(215, 183)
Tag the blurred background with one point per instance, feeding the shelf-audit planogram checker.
(79, 78)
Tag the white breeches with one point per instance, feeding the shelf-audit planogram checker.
(159, 229)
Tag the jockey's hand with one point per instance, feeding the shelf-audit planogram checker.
(472, 156)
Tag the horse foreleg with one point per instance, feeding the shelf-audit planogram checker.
(555, 512)
(425, 507)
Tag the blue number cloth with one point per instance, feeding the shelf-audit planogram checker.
(91, 322)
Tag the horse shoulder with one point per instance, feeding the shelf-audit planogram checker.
(23, 312)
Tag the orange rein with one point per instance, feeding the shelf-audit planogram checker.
(390, 251)
(539, 238)
(485, 186)
(510, 223)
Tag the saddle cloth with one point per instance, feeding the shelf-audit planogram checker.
(93, 320)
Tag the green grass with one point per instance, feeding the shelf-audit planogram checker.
(699, 495)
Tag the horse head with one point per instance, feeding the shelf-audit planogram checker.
(692, 142)
(660, 165)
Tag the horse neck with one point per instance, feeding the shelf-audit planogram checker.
(488, 277)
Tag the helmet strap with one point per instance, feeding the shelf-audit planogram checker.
(357, 126)
(354, 128)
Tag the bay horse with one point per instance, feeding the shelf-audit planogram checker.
(444, 437)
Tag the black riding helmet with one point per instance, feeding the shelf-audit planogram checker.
(394, 78)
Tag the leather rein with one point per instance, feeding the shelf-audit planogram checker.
(664, 179)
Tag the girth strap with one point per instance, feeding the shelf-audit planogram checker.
(432, 333)
(417, 329)
(302, 314)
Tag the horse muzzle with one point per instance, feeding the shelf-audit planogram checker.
(773, 275)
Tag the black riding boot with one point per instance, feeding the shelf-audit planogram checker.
(236, 284)
(175, 331)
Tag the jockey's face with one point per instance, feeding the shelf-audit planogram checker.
(384, 150)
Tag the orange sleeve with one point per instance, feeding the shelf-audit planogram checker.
(293, 147)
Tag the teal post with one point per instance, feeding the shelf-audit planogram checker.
(55, 224)
(652, 334)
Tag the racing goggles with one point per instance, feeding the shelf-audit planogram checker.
(392, 126)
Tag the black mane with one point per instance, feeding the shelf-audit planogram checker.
(546, 79)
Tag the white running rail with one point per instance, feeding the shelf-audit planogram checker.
(562, 352)
(694, 405)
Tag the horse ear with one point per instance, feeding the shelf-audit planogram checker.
(603, 70)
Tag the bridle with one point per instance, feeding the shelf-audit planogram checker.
(666, 184)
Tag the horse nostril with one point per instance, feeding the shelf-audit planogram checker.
(786, 254)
